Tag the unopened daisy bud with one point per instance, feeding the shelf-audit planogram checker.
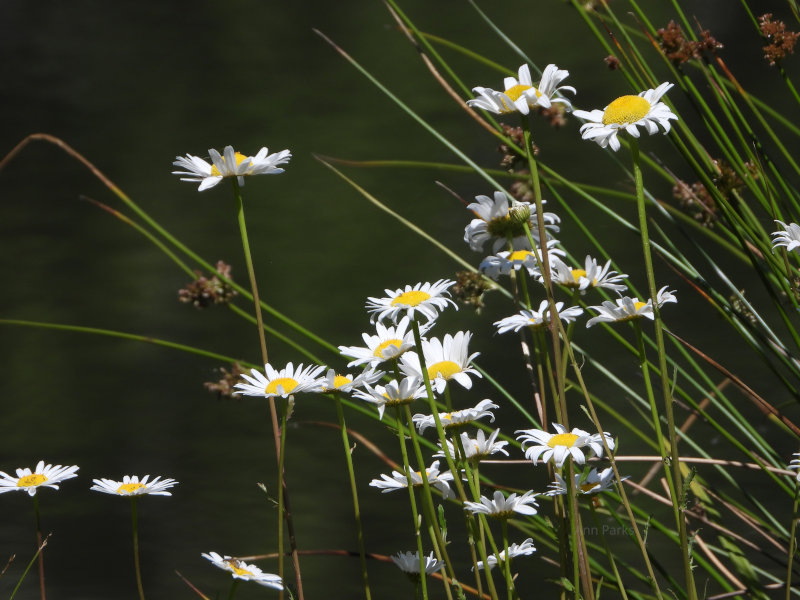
(519, 214)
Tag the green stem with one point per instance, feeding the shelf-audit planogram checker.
(234, 585)
(792, 543)
(136, 565)
(507, 561)
(39, 544)
(354, 491)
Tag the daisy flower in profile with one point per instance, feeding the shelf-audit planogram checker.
(281, 383)
(445, 360)
(795, 464)
(393, 393)
(520, 95)
(591, 276)
(537, 318)
(626, 113)
(457, 418)
(626, 309)
(594, 483)
(241, 570)
(503, 262)
(332, 382)
(477, 448)
(399, 481)
(497, 220)
(501, 507)
(389, 343)
(526, 548)
(562, 445)
(427, 299)
(408, 563)
(131, 486)
(789, 237)
(229, 164)
(30, 481)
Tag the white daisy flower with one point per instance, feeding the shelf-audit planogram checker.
(526, 548)
(789, 237)
(445, 360)
(230, 164)
(592, 275)
(30, 481)
(625, 308)
(393, 393)
(399, 481)
(241, 570)
(501, 507)
(503, 262)
(457, 418)
(793, 464)
(477, 448)
(408, 562)
(520, 95)
(594, 483)
(131, 486)
(626, 114)
(347, 383)
(537, 318)
(281, 383)
(428, 299)
(559, 446)
(388, 344)
(497, 221)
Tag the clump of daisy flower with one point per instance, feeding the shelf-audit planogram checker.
(626, 309)
(520, 95)
(228, 164)
(289, 380)
(562, 445)
(30, 480)
(132, 486)
(627, 113)
(427, 299)
(241, 570)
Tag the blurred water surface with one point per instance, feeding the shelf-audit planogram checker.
(130, 85)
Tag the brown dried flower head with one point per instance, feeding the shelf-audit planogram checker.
(224, 387)
(470, 288)
(781, 42)
(612, 62)
(679, 50)
(204, 292)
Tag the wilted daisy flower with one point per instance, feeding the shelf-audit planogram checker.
(393, 393)
(241, 570)
(347, 383)
(789, 237)
(230, 164)
(594, 483)
(526, 548)
(42, 476)
(520, 95)
(408, 562)
(559, 446)
(281, 383)
(131, 486)
(457, 418)
(428, 299)
(501, 507)
(592, 275)
(476, 448)
(503, 262)
(399, 481)
(537, 318)
(625, 308)
(390, 343)
(627, 113)
(496, 221)
(445, 360)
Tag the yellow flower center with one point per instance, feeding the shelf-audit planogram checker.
(626, 110)
(519, 255)
(588, 487)
(129, 488)
(444, 369)
(562, 439)
(340, 380)
(412, 298)
(383, 345)
(639, 305)
(237, 569)
(31, 480)
(577, 274)
(287, 383)
(515, 91)
(239, 159)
